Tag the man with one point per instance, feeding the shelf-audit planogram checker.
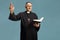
(29, 28)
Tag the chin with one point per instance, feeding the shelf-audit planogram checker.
(29, 10)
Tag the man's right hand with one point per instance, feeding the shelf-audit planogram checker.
(11, 8)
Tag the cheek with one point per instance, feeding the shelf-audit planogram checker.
(30, 7)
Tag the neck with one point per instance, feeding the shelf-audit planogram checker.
(28, 12)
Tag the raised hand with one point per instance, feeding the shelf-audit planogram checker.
(11, 8)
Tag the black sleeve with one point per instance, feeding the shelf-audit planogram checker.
(14, 17)
(37, 28)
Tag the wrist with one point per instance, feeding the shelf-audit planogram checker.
(11, 12)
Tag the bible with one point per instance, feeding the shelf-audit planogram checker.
(38, 20)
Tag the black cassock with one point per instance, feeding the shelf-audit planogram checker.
(28, 31)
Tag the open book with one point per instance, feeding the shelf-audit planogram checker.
(39, 20)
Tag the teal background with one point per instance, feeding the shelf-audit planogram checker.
(49, 9)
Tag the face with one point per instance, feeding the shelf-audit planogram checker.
(28, 7)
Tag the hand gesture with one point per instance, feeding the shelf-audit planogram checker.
(11, 8)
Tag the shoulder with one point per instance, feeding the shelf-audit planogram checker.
(21, 13)
(34, 13)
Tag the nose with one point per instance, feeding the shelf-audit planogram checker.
(29, 7)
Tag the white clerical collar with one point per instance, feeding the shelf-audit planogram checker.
(28, 12)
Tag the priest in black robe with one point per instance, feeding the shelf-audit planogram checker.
(29, 28)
